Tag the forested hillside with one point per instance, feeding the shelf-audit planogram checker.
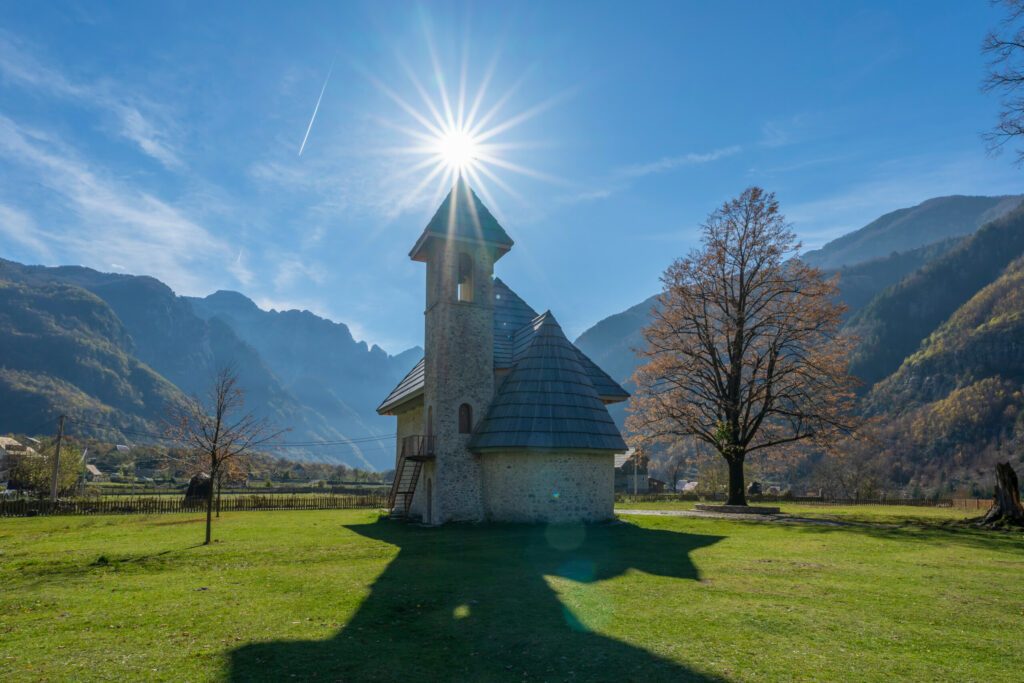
(895, 323)
(64, 350)
(954, 407)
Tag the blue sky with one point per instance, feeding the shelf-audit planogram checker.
(164, 139)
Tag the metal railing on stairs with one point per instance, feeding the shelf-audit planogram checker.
(416, 449)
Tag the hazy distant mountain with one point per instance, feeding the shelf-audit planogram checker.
(612, 344)
(319, 362)
(163, 332)
(906, 229)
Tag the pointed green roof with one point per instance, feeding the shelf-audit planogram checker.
(462, 216)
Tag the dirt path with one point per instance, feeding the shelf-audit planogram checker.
(775, 519)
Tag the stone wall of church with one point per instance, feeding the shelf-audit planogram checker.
(459, 368)
(548, 486)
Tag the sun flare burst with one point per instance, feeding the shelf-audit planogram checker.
(458, 133)
(458, 149)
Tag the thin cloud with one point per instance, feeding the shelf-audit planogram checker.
(666, 164)
(18, 66)
(785, 132)
(116, 223)
(18, 227)
(623, 178)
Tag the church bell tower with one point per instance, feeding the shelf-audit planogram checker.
(459, 246)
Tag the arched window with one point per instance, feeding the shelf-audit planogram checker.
(465, 419)
(464, 290)
(430, 421)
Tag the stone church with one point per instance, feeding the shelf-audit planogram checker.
(504, 419)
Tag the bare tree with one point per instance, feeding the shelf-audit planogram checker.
(744, 351)
(218, 433)
(1005, 49)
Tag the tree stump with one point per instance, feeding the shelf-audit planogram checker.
(1006, 508)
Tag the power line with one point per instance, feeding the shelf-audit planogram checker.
(41, 425)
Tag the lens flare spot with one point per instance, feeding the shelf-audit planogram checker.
(460, 612)
(565, 537)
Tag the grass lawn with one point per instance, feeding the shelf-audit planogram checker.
(336, 595)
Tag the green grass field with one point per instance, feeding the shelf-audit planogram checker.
(337, 595)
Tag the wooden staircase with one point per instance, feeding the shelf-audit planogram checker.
(415, 451)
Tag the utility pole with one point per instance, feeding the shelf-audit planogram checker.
(56, 460)
(636, 475)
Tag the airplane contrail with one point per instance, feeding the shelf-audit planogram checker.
(315, 110)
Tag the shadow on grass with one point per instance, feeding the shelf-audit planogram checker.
(471, 603)
(940, 532)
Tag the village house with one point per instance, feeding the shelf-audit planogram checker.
(630, 473)
(94, 474)
(503, 419)
(11, 451)
(8, 447)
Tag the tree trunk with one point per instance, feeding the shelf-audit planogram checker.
(209, 512)
(1006, 507)
(737, 490)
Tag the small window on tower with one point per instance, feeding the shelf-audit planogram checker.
(465, 419)
(465, 282)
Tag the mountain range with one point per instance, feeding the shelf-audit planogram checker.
(116, 351)
(933, 295)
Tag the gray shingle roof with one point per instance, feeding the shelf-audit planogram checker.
(514, 330)
(410, 387)
(511, 314)
(607, 388)
(463, 216)
(548, 399)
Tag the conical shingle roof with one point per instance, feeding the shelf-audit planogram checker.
(548, 400)
(462, 216)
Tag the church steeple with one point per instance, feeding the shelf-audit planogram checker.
(459, 247)
(463, 217)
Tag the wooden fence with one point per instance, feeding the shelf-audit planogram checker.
(161, 505)
(981, 504)
(179, 490)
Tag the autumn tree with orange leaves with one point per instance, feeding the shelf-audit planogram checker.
(744, 351)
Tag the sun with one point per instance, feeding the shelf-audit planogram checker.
(456, 132)
(459, 150)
